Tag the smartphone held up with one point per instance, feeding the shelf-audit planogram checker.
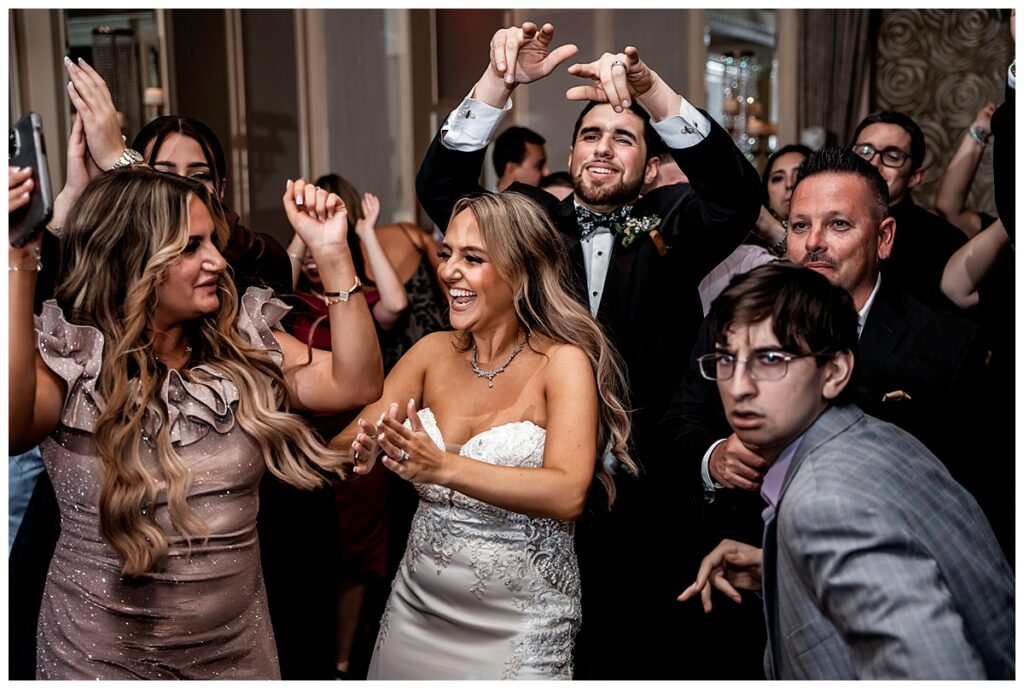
(26, 148)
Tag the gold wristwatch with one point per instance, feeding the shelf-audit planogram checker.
(332, 298)
(128, 158)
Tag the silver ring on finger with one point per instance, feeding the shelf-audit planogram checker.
(619, 63)
(403, 457)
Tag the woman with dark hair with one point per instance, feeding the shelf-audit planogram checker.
(187, 147)
(779, 178)
(767, 240)
(159, 397)
(411, 252)
(508, 420)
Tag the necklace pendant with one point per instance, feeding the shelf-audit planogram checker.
(490, 383)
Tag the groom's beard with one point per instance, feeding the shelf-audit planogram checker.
(618, 194)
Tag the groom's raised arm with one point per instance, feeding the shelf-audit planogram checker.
(451, 167)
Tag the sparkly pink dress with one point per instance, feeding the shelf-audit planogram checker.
(204, 615)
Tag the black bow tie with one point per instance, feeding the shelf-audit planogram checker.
(589, 220)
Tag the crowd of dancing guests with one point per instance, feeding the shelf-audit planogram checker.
(557, 439)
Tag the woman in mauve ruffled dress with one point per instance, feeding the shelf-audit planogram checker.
(158, 397)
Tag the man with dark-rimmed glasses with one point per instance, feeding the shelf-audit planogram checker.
(894, 144)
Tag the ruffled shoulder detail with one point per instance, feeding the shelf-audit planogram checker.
(258, 313)
(75, 353)
(205, 398)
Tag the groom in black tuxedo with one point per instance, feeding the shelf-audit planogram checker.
(636, 265)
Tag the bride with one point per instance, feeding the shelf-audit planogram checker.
(515, 409)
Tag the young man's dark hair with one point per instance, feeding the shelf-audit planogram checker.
(510, 147)
(652, 142)
(837, 159)
(901, 120)
(809, 314)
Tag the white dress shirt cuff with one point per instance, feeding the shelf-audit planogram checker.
(472, 125)
(710, 485)
(686, 129)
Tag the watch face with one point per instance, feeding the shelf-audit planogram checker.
(135, 156)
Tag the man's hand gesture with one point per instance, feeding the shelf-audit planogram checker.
(519, 55)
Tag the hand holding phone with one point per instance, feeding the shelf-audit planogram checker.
(28, 150)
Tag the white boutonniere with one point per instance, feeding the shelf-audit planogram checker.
(635, 227)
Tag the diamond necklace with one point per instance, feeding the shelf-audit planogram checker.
(489, 375)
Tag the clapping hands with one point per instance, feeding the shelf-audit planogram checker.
(410, 452)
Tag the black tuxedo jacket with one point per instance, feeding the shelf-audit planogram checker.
(920, 251)
(650, 308)
(934, 359)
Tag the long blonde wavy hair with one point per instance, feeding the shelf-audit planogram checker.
(126, 230)
(529, 254)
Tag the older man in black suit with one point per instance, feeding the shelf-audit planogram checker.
(636, 265)
(919, 369)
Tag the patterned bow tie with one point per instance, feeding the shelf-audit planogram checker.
(589, 220)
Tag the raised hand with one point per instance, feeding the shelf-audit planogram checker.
(984, 117)
(371, 213)
(520, 55)
(734, 465)
(731, 565)
(318, 218)
(95, 106)
(81, 170)
(411, 453)
(618, 79)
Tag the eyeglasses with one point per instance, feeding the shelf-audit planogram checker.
(891, 157)
(761, 366)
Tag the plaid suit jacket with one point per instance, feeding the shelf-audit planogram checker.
(878, 565)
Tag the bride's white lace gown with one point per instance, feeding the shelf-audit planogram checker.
(482, 592)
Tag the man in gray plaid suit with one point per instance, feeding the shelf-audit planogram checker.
(876, 564)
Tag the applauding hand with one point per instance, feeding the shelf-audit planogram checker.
(371, 213)
(95, 107)
(411, 453)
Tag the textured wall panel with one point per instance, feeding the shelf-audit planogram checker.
(940, 67)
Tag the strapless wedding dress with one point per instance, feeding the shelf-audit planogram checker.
(482, 592)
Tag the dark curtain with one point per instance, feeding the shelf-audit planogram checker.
(837, 49)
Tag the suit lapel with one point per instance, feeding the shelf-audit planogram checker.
(883, 329)
(564, 217)
(617, 283)
(831, 423)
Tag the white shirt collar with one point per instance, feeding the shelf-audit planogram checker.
(862, 315)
